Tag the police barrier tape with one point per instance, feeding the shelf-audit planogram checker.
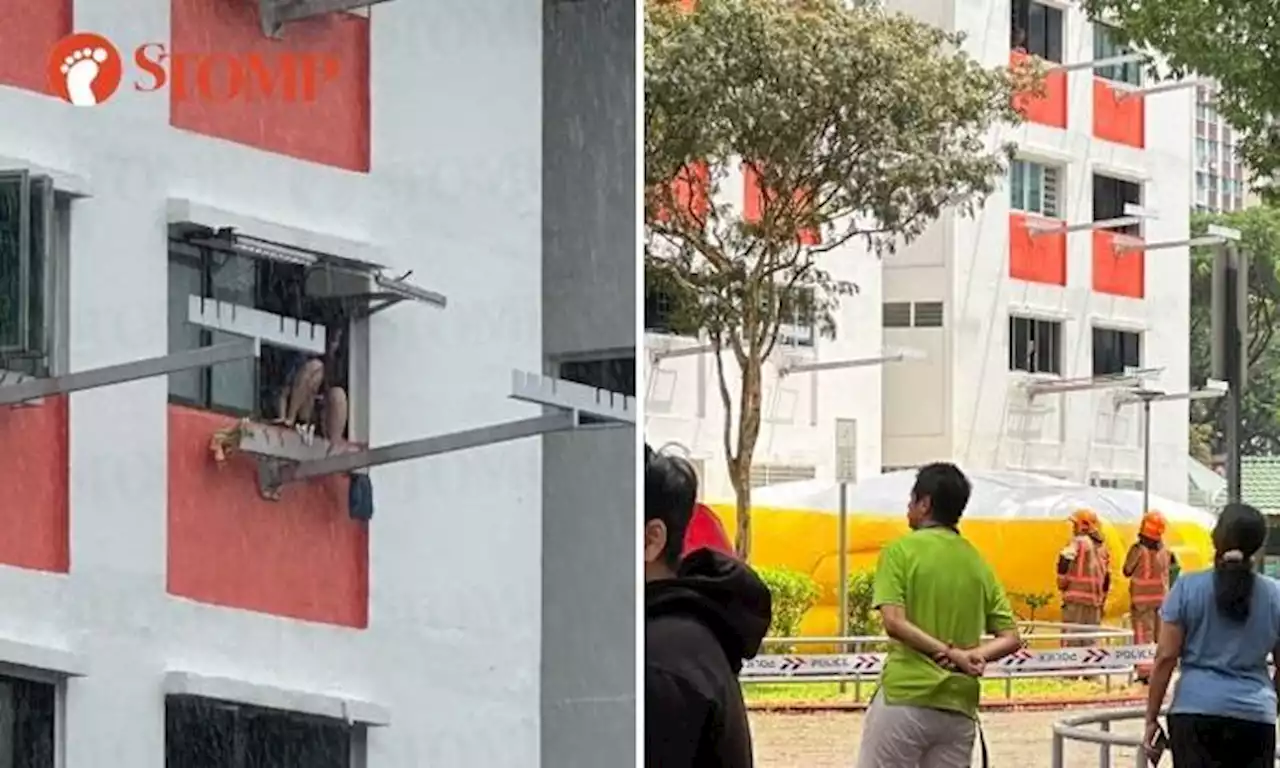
(1024, 660)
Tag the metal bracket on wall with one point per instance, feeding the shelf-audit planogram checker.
(274, 14)
(34, 389)
(283, 457)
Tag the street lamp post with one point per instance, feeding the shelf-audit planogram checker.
(1211, 389)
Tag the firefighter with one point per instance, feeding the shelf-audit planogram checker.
(1084, 574)
(1150, 568)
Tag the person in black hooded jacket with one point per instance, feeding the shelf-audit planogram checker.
(704, 615)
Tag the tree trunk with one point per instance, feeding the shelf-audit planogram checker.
(740, 461)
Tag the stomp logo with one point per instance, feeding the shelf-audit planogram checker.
(86, 69)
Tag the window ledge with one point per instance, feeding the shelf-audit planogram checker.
(185, 211)
(332, 706)
(41, 660)
(1122, 172)
(1037, 312)
(1110, 323)
(63, 181)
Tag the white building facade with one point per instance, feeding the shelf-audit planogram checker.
(1023, 304)
(684, 412)
(998, 301)
(160, 611)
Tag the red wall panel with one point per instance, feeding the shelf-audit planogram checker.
(753, 204)
(1120, 273)
(1049, 109)
(1123, 121)
(302, 556)
(28, 31)
(34, 509)
(1039, 259)
(690, 189)
(332, 129)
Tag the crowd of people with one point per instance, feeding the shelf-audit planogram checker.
(948, 617)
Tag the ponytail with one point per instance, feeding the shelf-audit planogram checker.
(1233, 580)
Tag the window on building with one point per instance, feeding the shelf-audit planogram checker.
(1033, 187)
(204, 733)
(1202, 152)
(798, 313)
(616, 374)
(660, 313)
(34, 221)
(928, 314)
(1106, 45)
(1037, 29)
(27, 713)
(1115, 350)
(1110, 196)
(772, 474)
(1035, 345)
(896, 314)
(1121, 483)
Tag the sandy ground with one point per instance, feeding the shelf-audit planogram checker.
(830, 740)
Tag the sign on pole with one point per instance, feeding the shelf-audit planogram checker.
(847, 451)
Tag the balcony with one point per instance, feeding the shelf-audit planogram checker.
(1038, 258)
(1115, 271)
(1049, 109)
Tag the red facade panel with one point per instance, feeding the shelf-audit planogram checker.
(1117, 272)
(306, 96)
(34, 509)
(1038, 259)
(28, 31)
(1121, 120)
(301, 557)
(1047, 109)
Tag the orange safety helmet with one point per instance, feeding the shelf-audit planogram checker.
(1085, 521)
(1153, 525)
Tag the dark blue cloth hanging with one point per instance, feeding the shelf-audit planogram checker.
(360, 497)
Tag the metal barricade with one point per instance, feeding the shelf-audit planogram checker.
(1075, 729)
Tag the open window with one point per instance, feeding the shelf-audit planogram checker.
(799, 318)
(306, 308)
(1035, 345)
(28, 711)
(276, 13)
(1036, 28)
(33, 225)
(1110, 196)
(1107, 45)
(1115, 351)
(217, 734)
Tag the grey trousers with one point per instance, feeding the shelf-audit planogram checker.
(915, 737)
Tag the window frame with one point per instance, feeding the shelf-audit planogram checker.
(1031, 359)
(1105, 47)
(1120, 336)
(55, 685)
(1044, 28)
(1027, 173)
(354, 338)
(243, 715)
(889, 317)
(1111, 189)
(40, 349)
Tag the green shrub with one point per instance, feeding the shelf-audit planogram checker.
(864, 619)
(794, 593)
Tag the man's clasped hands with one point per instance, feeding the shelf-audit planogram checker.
(966, 661)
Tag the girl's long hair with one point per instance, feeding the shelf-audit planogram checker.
(1240, 533)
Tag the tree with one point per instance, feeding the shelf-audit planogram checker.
(851, 121)
(1232, 42)
(1260, 410)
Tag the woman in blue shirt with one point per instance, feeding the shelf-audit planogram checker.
(1221, 625)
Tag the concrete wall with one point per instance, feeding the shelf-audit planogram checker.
(589, 534)
(453, 644)
(987, 421)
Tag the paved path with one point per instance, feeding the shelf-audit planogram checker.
(830, 740)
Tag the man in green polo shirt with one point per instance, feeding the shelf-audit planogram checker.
(938, 597)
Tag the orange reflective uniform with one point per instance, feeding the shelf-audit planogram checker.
(1085, 579)
(1150, 581)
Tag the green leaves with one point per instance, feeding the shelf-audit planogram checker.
(1234, 42)
(1260, 239)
